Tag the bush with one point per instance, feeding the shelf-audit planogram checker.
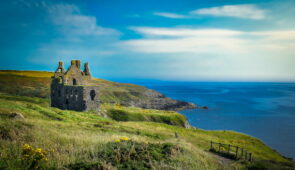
(120, 113)
(33, 158)
(127, 154)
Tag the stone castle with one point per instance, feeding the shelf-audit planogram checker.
(72, 89)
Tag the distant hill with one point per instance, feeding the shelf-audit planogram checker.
(37, 83)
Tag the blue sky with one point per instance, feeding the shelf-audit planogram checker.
(180, 40)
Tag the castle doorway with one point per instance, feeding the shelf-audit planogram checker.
(74, 82)
(92, 94)
(67, 104)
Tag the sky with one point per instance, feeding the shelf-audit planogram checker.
(177, 40)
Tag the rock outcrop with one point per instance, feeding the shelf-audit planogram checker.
(156, 100)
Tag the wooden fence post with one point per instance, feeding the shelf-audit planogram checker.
(243, 155)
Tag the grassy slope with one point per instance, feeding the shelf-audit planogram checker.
(36, 84)
(121, 113)
(73, 137)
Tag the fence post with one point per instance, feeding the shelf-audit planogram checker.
(243, 155)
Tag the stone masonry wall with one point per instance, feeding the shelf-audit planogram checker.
(79, 98)
(91, 97)
(70, 89)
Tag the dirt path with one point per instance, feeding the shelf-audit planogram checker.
(225, 162)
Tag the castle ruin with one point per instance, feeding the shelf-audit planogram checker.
(72, 89)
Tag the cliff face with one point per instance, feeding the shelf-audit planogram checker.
(37, 84)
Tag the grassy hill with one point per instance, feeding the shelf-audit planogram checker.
(37, 83)
(36, 136)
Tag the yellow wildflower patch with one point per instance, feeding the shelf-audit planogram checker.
(29, 154)
(122, 139)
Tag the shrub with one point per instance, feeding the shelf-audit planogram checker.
(33, 158)
(127, 154)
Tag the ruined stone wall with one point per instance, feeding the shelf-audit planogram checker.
(74, 76)
(79, 98)
(91, 97)
(69, 90)
(57, 94)
(73, 98)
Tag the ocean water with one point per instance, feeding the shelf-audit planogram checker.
(262, 110)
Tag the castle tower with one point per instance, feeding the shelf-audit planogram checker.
(86, 69)
(72, 89)
(60, 67)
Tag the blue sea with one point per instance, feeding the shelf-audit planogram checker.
(262, 110)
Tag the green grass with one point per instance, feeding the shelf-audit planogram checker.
(87, 140)
(80, 139)
(37, 83)
(121, 113)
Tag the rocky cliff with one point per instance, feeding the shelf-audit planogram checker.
(156, 100)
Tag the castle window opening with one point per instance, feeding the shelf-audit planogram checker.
(59, 93)
(60, 79)
(92, 94)
(74, 82)
(67, 103)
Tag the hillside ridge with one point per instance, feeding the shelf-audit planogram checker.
(37, 83)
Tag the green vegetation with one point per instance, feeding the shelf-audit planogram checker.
(80, 140)
(120, 113)
(138, 155)
(37, 84)
(36, 136)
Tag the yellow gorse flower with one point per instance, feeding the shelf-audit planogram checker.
(31, 154)
(122, 139)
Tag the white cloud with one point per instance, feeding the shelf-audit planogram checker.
(217, 54)
(170, 15)
(247, 11)
(184, 45)
(277, 35)
(183, 32)
(184, 40)
(71, 21)
(77, 36)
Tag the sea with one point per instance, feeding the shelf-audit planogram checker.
(262, 110)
